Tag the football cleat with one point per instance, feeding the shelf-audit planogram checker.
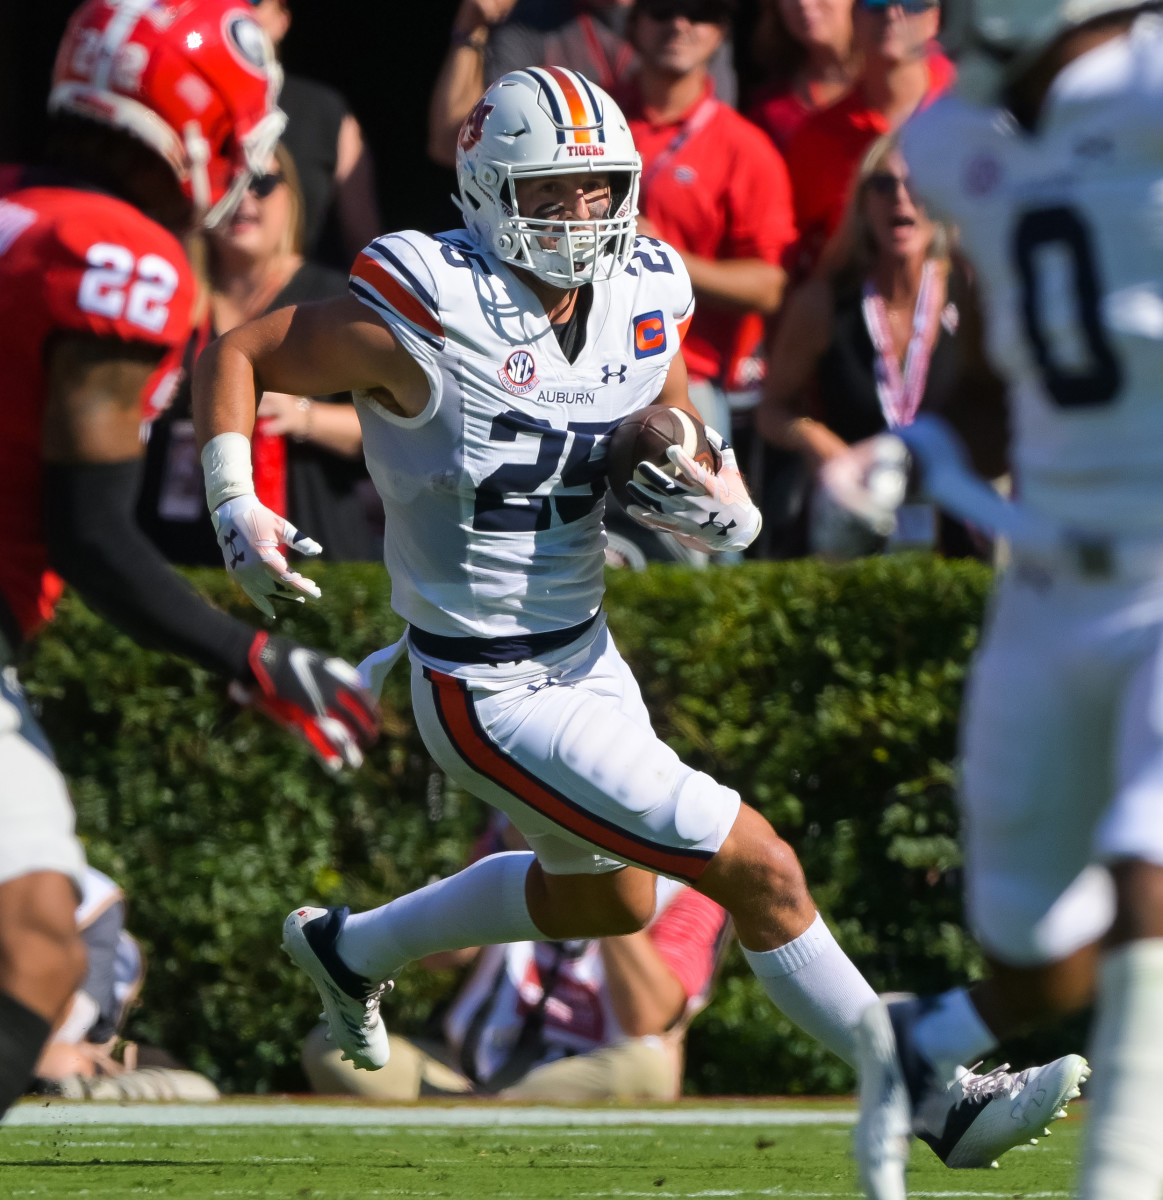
(968, 1122)
(1005, 1109)
(351, 1004)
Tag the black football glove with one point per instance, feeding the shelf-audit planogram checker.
(321, 699)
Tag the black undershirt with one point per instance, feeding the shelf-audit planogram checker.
(571, 333)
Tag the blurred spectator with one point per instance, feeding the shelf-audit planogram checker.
(866, 345)
(492, 37)
(902, 69)
(335, 167)
(715, 189)
(581, 1020)
(85, 1058)
(307, 450)
(806, 50)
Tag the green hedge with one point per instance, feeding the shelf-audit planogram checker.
(827, 696)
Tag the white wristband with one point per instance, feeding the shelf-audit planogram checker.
(226, 465)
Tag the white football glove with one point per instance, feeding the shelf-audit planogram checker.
(250, 536)
(869, 480)
(704, 510)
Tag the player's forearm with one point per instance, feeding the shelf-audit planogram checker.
(224, 390)
(645, 994)
(747, 284)
(94, 542)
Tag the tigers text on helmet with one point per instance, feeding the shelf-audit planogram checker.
(195, 80)
(1006, 36)
(547, 121)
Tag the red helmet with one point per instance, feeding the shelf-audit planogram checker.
(196, 80)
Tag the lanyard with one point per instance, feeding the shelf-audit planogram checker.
(900, 395)
(703, 112)
(608, 73)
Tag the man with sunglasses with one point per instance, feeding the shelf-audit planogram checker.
(903, 70)
(715, 189)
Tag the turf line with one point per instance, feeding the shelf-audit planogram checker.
(460, 1117)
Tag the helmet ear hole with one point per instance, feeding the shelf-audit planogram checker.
(488, 176)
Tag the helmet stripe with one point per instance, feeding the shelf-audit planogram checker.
(575, 102)
(595, 107)
(117, 32)
(551, 95)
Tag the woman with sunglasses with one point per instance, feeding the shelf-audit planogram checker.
(871, 340)
(805, 50)
(308, 451)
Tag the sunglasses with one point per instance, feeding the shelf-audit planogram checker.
(261, 186)
(885, 183)
(709, 12)
(910, 7)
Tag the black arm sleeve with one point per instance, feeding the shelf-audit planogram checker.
(94, 542)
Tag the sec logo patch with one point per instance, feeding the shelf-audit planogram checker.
(519, 374)
(649, 334)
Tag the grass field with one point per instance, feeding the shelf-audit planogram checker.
(777, 1150)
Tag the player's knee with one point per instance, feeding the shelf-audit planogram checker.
(756, 862)
(41, 955)
(1027, 922)
(51, 968)
(632, 914)
(781, 873)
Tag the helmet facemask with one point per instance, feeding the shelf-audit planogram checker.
(569, 253)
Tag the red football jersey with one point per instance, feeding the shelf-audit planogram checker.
(70, 261)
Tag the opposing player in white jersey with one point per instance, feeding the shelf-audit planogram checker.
(1052, 165)
(490, 366)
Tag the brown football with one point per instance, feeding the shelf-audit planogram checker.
(644, 437)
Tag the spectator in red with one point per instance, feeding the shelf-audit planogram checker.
(805, 48)
(493, 37)
(715, 188)
(903, 70)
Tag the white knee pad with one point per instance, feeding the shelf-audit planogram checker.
(1023, 924)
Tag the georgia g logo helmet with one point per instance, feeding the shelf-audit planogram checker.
(196, 82)
(539, 122)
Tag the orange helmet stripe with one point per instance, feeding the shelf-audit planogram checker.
(573, 98)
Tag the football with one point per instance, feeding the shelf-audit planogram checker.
(644, 437)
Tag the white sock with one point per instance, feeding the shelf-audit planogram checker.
(483, 905)
(814, 983)
(1122, 1157)
(952, 1032)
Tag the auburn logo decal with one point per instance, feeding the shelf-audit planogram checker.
(474, 123)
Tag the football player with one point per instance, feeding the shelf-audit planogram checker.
(1051, 162)
(490, 365)
(162, 112)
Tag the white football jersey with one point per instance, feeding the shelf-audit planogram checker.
(1065, 228)
(494, 494)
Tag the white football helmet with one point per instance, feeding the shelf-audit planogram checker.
(1008, 35)
(538, 122)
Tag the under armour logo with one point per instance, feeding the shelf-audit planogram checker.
(236, 555)
(719, 528)
(608, 373)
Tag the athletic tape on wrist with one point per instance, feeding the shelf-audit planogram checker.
(226, 465)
